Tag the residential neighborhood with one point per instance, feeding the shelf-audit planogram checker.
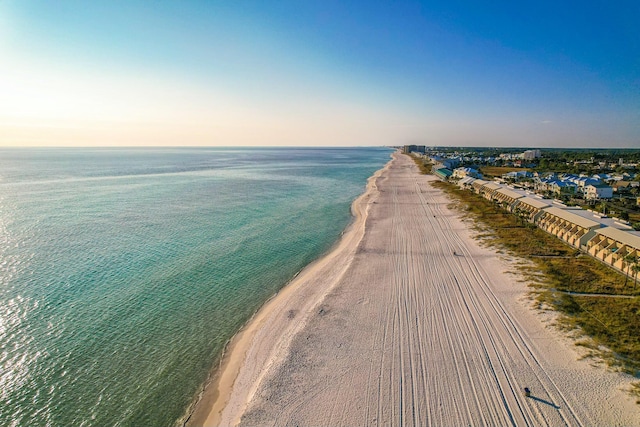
(598, 213)
(583, 178)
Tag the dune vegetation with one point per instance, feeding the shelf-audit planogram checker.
(598, 305)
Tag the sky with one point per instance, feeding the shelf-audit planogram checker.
(316, 73)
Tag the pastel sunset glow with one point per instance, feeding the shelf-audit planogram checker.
(162, 73)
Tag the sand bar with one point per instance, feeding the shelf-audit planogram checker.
(393, 328)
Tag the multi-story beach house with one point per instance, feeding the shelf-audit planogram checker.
(598, 191)
(459, 173)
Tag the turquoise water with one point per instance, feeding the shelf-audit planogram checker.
(124, 271)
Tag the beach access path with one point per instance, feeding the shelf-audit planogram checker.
(408, 321)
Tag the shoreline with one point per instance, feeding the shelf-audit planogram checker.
(215, 395)
(409, 320)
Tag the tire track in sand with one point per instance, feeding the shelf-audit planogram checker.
(435, 343)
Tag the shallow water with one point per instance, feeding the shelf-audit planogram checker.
(124, 271)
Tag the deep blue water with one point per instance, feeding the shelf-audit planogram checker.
(124, 271)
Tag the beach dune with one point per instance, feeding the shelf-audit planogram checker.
(408, 321)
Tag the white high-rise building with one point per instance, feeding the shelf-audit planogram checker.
(531, 154)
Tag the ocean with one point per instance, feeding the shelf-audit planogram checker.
(123, 272)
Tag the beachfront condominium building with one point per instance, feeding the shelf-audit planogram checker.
(507, 198)
(408, 149)
(530, 208)
(531, 154)
(489, 189)
(568, 226)
(618, 248)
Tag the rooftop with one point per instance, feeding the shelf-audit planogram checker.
(510, 193)
(631, 238)
(572, 217)
(538, 204)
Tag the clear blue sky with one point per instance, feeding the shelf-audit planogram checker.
(320, 73)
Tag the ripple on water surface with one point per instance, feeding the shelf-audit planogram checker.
(124, 271)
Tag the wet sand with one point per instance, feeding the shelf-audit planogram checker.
(393, 328)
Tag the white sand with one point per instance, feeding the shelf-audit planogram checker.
(391, 328)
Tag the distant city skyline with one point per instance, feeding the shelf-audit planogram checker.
(355, 73)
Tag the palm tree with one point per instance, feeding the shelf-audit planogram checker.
(635, 267)
(603, 206)
(523, 216)
(628, 261)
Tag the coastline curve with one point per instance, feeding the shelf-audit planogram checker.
(220, 402)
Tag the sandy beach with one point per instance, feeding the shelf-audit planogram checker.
(408, 321)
